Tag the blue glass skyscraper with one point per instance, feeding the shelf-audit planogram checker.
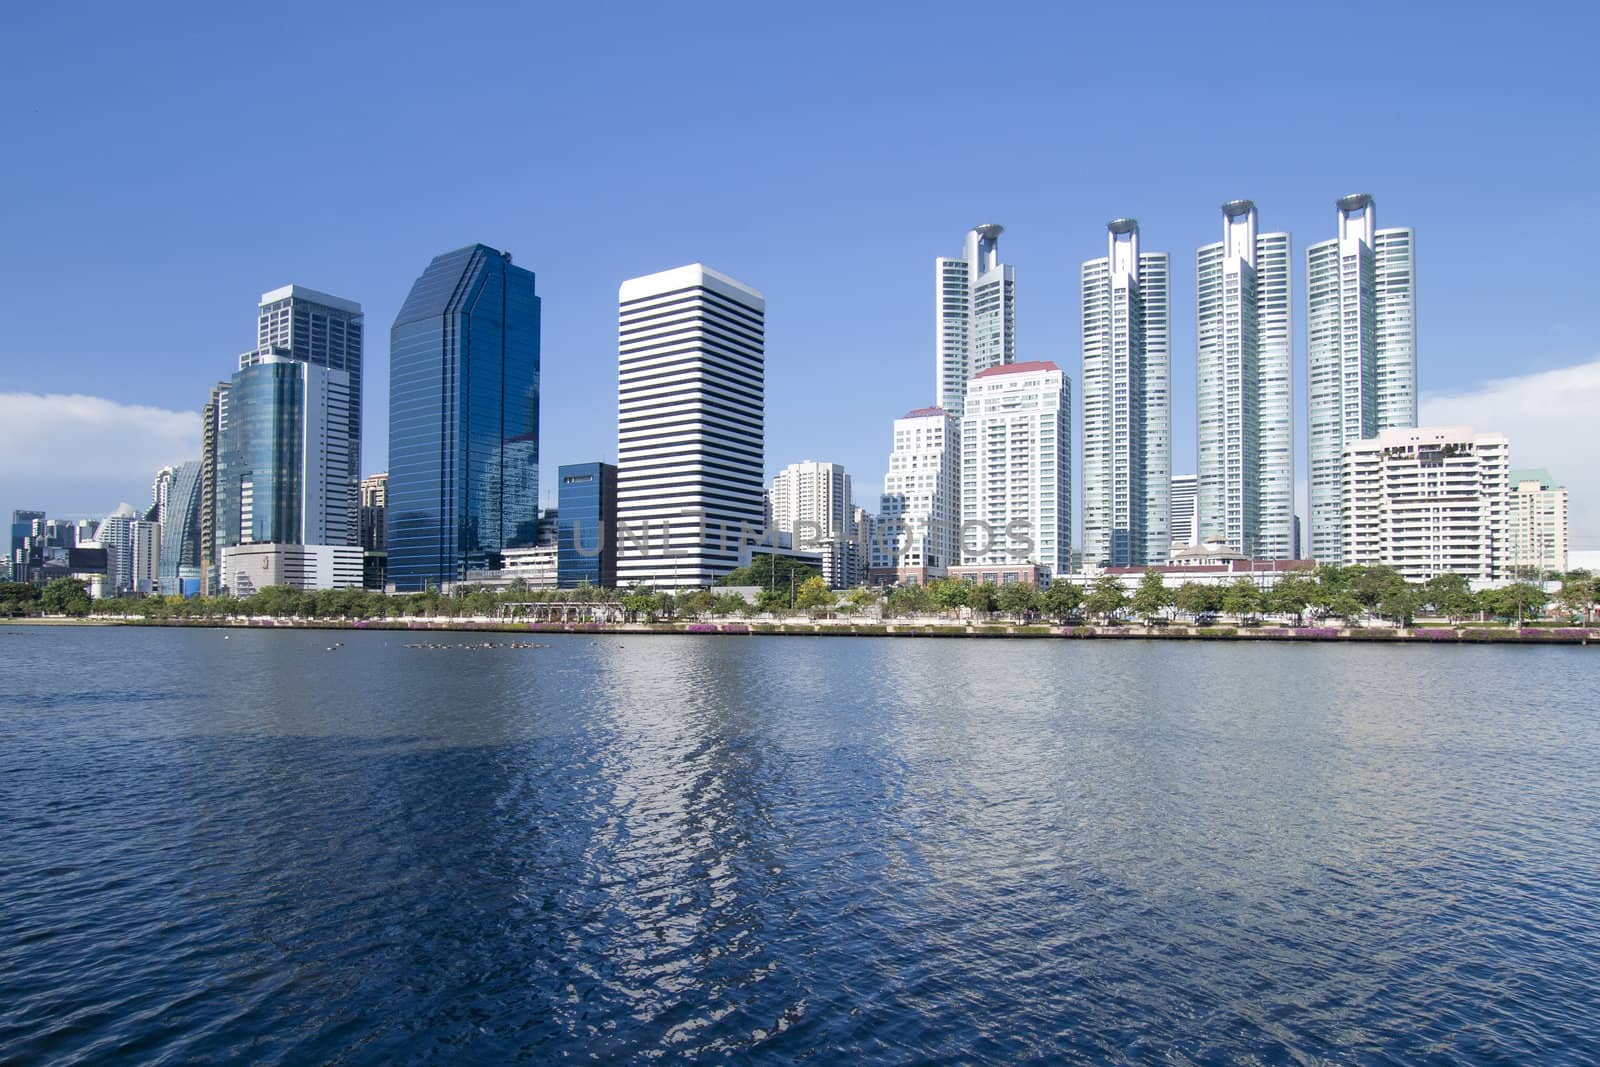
(463, 418)
(586, 525)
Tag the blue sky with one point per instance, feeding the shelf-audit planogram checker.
(166, 166)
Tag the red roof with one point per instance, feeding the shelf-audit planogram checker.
(922, 413)
(1017, 368)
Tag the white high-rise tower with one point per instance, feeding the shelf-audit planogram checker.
(690, 425)
(1127, 403)
(1245, 392)
(1361, 352)
(976, 297)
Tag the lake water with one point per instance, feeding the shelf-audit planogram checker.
(769, 849)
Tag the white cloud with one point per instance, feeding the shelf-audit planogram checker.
(1550, 419)
(81, 455)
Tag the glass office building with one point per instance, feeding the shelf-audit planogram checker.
(283, 474)
(586, 526)
(463, 419)
(178, 562)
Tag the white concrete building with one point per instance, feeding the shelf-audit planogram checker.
(920, 510)
(1361, 352)
(975, 324)
(144, 543)
(1244, 389)
(1185, 488)
(690, 425)
(811, 502)
(1127, 403)
(1016, 467)
(248, 569)
(1428, 501)
(1538, 523)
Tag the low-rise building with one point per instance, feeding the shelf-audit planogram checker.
(248, 569)
(1537, 523)
(1428, 501)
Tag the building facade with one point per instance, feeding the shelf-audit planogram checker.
(144, 538)
(691, 425)
(811, 502)
(1127, 403)
(178, 571)
(1361, 353)
(1537, 524)
(1185, 490)
(311, 327)
(586, 525)
(463, 419)
(1016, 468)
(1244, 388)
(248, 569)
(975, 327)
(1427, 502)
(283, 476)
(919, 513)
(213, 426)
(374, 509)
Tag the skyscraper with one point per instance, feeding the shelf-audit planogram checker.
(1127, 403)
(586, 525)
(324, 331)
(374, 510)
(1245, 391)
(213, 424)
(691, 420)
(811, 502)
(1016, 467)
(1184, 490)
(463, 418)
(1361, 352)
(283, 476)
(24, 525)
(1537, 524)
(919, 513)
(976, 325)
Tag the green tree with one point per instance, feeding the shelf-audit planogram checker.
(1062, 599)
(814, 594)
(772, 600)
(1197, 601)
(18, 598)
(909, 600)
(1152, 597)
(639, 602)
(950, 595)
(772, 571)
(983, 599)
(1106, 598)
(1017, 599)
(1290, 595)
(696, 602)
(1448, 595)
(1243, 600)
(1400, 605)
(1579, 593)
(65, 596)
(1514, 603)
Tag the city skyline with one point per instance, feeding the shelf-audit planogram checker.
(820, 200)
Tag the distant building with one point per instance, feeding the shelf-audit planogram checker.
(24, 525)
(1361, 353)
(1127, 402)
(144, 539)
(463, 419)
(1244, 393)
(283, 471)
(325, 331)
(1427, 502)
(374, 507)
(691, 425)
(248, 569)
(975, 325)
(115, 536)
(1537, 523)
(919, 514)
(586, 525)
(1184, 489)
(535, 566)
(1016, 468)
(1298, 545)
(178, 571)
(213, 425)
